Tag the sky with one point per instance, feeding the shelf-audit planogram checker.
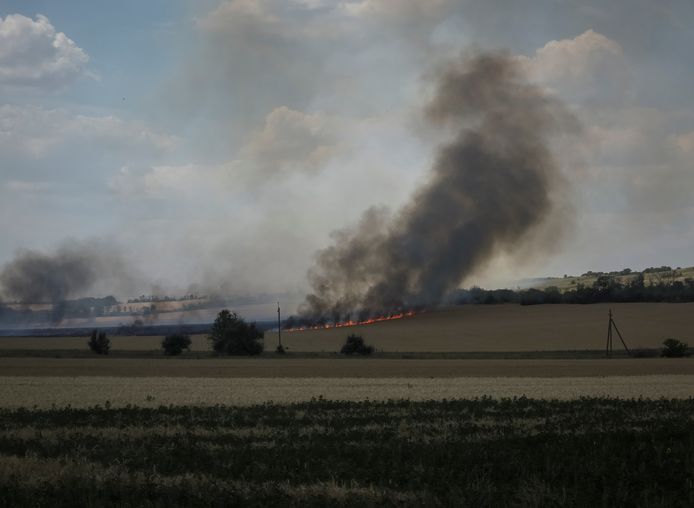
(217, 145)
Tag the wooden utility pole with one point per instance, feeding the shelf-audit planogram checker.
(279, 327)
(608, 346)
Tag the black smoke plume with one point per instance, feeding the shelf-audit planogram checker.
(70, 271)
(489, 188)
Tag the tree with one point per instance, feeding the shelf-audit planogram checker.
(674, 348)
(99, 343)
(231, 335)
(175, 344)
(355, 345)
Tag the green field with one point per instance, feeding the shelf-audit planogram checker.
(484, 452)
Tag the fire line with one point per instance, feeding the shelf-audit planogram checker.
(345, 324)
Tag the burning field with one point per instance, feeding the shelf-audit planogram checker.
(492, 188)
(309, 253)
(295, 325)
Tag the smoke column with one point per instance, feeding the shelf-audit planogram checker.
(489, 188)
(75, 267)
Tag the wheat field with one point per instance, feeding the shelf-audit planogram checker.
(47, 392)
(511, 327)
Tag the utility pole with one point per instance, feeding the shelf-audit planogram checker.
(279, 327)
(608, 346)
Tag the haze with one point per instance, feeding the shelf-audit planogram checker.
(217, 145)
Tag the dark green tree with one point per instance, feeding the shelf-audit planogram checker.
(175, 344)
(673, 348)
(99, 343)
(231, 335)
(355, 345)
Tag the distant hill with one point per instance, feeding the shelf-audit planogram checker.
(655, 284)
(652, 275)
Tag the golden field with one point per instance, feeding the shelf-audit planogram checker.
(468, 328)
(85, 380)
(42, 392)
(498, 328)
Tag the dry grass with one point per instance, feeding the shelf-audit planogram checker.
(45, 392)
(340, 367)
(493, 328)
(512, 328)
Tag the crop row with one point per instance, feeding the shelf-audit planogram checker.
(483, 452)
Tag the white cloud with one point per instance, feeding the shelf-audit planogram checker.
(585, 67)
(35, 132)
(33, 54)
(291, 141)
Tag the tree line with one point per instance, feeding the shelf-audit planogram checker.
(606, 288)
(230, 335)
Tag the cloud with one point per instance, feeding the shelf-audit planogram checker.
(253, 57)
(35, 132)
(586, 67)
(34, 55)
(291, 141)
(267, 21)
(403, 13)
(640, 165)
(189, 180)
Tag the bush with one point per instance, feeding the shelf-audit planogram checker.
(175, 344)
(674, 348)
(231, 335)
(99, 343)
(355, 345)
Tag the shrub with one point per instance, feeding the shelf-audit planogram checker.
(355, 345)
(175, 344)
(99, 343)
(231, 335)
(674, 348)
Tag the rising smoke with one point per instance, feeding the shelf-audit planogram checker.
(70, 271)
(490, 188)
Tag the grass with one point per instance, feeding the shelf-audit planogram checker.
(47, 392)
(484, 452)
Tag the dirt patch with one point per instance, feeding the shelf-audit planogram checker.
(339, 367)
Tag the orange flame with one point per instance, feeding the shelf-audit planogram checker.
(345, 324)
